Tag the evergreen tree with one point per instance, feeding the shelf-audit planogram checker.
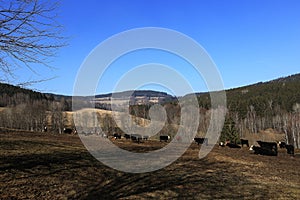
(229, 131)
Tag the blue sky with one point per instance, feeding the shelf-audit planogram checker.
(249, 40)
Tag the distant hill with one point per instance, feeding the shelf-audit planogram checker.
(13, 95)
(135, 97)
(135, 93)
(281, 93)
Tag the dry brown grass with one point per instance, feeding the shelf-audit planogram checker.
(45, 166)
(268, 135)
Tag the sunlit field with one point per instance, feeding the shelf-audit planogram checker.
(53, 166)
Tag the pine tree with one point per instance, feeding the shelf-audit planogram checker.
(229, 131)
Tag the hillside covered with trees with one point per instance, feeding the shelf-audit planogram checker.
(31, 110)
(274, 104)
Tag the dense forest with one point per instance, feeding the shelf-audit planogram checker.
(13, 95)
(264, 97)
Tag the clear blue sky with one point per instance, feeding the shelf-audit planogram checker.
(249, 40)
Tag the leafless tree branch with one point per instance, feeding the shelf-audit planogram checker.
(29, 35)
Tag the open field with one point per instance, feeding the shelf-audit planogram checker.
(47, 166)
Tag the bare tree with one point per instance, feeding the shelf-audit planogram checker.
(57, 119)
(251, 119)
(29, 35)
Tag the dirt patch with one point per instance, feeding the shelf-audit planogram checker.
(45, 166)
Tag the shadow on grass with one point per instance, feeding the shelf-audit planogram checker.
(44, 164)
(188, 178)
(205, 180)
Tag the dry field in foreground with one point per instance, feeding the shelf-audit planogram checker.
(47, 166)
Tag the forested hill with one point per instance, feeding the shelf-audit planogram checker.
(282, 94)
(13, 95)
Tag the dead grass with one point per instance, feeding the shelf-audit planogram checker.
(268, 135)
(44, 166)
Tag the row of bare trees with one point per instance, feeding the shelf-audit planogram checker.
(30, 36)
(34, 116)
(281, 121)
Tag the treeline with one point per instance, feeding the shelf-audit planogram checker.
(250, 109)
(14, 95)
(30, 110)
(11, 96)
(35, 116)
(274, 104)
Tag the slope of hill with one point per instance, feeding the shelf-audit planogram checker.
(14, 95)
(282, 93)
(253, 108)
(271, 96)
